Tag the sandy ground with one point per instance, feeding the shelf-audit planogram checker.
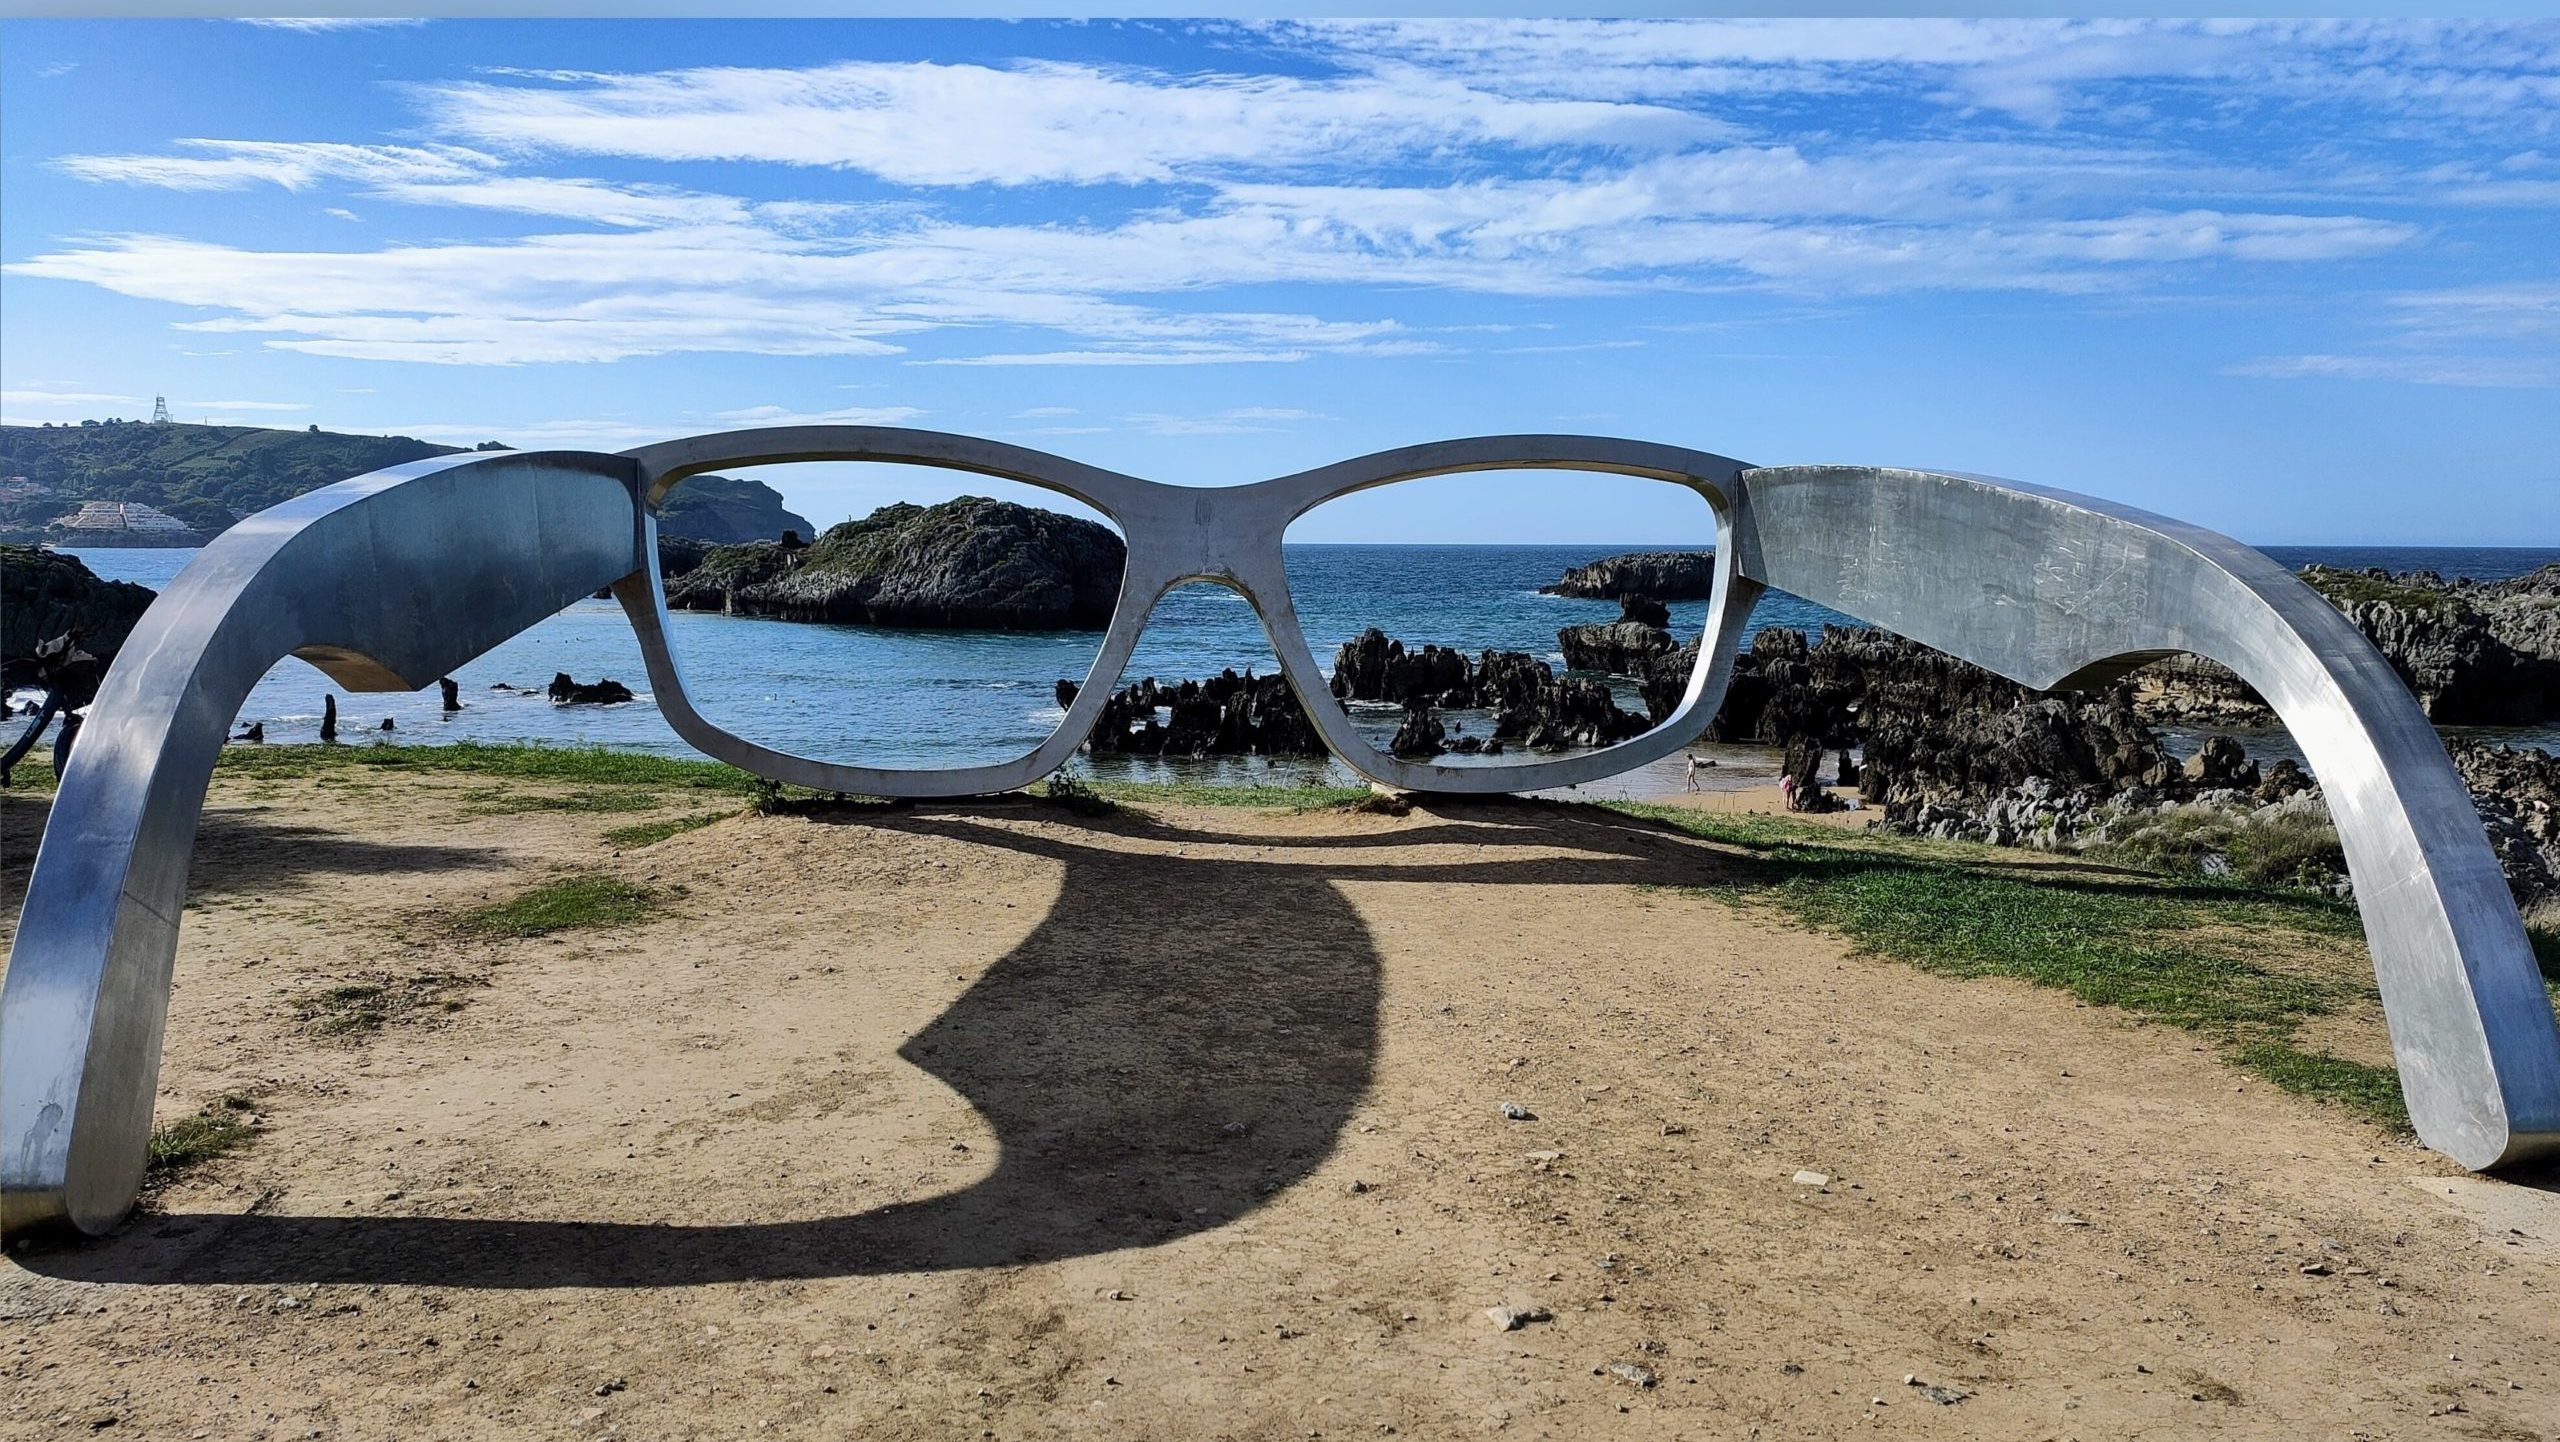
(990, 1122)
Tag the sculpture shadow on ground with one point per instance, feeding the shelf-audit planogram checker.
(1143, 1084)
(243, 850)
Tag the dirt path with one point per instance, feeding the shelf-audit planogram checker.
(989, 1122)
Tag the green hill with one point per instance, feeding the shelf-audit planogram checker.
(210, 476)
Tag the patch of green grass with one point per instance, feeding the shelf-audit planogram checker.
(222, 1126)
(2348, 588)
(2372, 1092)
(1187, 793)
(2293, 849)
(650, 833)
(570, 904)
(499, 801)
(358, 1009)
(2186, 952)
(590, 765)
(1071, 792)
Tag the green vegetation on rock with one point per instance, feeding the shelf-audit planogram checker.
(725, 510)
(210, 476)
(968, 562)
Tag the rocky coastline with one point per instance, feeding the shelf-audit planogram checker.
(2474, 653)
(965, 563)
(1662, 575)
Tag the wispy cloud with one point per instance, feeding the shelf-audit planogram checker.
(1548, 159)
(2491, 372)
(245, 405)
(2497, 337)
(53, 399)
(324, 24)
(844, 416)
(568, 433)
(1024, 124)
(294, 165)
(1235, 420)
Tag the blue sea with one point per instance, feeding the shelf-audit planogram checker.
(941, 698)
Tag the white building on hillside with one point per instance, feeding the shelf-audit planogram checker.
(119, 516)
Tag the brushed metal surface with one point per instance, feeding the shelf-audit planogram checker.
(1227, 535)
(2052, 589)
(390, 580)
(384, 582)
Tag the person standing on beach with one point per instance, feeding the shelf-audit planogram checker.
(1693, 770)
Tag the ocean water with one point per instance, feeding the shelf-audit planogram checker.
(893, 697)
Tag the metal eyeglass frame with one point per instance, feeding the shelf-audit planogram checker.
(391, 580)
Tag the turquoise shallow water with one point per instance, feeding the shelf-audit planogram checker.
(914, 698)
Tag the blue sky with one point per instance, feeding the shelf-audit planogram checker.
(2299, 281)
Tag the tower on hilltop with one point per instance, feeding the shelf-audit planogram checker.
(159, 410)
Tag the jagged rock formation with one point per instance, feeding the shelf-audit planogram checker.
(1226, 715)
(2517, 792)
(1665, 575)
(969, 562)
(46, 593)
(1937, 733)
(1632, 645)
(2472, 652)
(1531, 705)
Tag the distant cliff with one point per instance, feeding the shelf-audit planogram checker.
(725, 511)
(210, 476)
(965, 562)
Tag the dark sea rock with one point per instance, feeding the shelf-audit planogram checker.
(567, 692)
(2472, 652)
(1532, 707)
(1633, 645)
(44, 594)
(1225, 715)
(1664, 575)
(970, 562)
(2517, 792)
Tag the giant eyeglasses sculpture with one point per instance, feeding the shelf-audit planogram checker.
(390, 580)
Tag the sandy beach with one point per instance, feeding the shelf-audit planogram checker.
(995, 1121)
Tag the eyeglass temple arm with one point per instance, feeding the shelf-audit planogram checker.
(384, 582)
(2053, 589)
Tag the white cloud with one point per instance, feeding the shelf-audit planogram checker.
(245, 405)
(2486, 372)
(1043, 412)
(294, 165)
(2040, 71)
(1489, 158)
(320, 24)
(921, 123)
(566, 434)
(1236, 420)
(2496, 336)
(63, 398)
(847, 416)
(1121, 358)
